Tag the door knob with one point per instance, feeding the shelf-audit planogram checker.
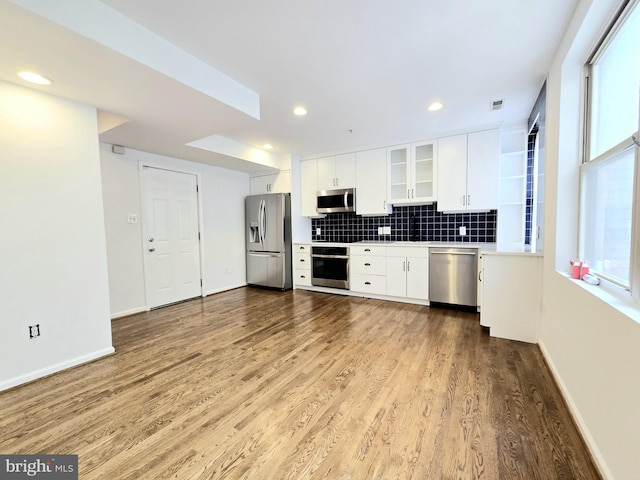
(152, 249)
(151, 239)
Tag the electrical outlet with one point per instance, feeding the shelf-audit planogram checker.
(386, 230)
(34, 331)
(463, 231)
(132, 218)
(318, 231)
(379, 230)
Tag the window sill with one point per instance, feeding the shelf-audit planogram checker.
(613, 295)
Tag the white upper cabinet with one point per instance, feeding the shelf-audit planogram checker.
(412, 171)
(371, 183)
(276, 183)
(483, 164)
(452, 173)
(468, 171)
(337, 172)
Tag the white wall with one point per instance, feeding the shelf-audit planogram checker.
(53, 262)
(222, 194)
(592, 348)
(300, 226)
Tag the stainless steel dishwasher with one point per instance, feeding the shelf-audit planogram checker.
(453, 276)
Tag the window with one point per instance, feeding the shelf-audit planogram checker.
(609, 203)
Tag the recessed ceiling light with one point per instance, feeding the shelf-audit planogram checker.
(435, 106)
(267, 146)
(300, 111)
(33, 77)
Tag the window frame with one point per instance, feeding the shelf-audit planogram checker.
(633, 141)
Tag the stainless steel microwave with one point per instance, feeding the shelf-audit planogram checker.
(336, 201)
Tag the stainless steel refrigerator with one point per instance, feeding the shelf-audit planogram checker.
(268, 230)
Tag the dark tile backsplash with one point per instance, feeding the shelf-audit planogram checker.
(421, 223)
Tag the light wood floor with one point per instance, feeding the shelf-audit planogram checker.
(258, 384)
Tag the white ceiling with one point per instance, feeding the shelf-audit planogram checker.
(365, 69)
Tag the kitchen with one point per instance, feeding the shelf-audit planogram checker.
(393, 252)
(591, 346)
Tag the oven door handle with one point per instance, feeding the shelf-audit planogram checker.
(345, 257)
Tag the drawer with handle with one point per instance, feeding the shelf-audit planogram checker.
(364, 265)
(369, 250)
(375, 284)
(301, 260)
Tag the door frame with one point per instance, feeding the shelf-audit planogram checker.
(146, 164)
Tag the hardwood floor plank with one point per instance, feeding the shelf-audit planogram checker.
(254, 383)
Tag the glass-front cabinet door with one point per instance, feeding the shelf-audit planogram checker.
(398, 158)
(412, 173)
(424, 171)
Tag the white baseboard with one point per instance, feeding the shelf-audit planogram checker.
(601, 464)
(43, 372)
(126, 313)
(224, 289)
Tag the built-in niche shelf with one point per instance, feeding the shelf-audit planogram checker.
(513, 188)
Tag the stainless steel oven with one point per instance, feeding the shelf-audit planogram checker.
(330, 266)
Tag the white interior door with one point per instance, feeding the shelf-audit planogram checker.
(171, 243)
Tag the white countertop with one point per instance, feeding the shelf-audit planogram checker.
(485, 248)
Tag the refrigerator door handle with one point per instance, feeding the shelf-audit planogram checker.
(264, 254)
(264, 220)
(261, 222)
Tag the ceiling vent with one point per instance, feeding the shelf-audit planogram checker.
(497, 104)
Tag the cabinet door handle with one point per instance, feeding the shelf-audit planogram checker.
(367, 250)
(367, 264)
(404, 266)
(468, 200)
(464, 200)
(302, 276)
(408, 266)
(367, 283)
(480, 276)
(302, 260)
(412, 194)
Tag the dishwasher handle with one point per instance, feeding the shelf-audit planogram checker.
(452, 252)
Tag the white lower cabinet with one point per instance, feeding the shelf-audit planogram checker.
(480, 285)
(408, 272)
(512, 296)
(368, 269)
(302, 264)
